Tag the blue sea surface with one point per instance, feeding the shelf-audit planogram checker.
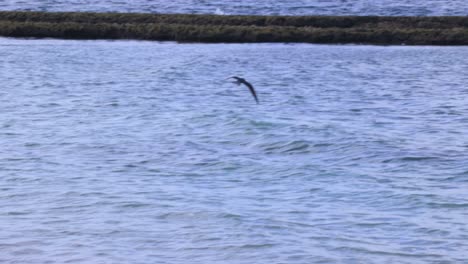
(141, 152)
(249, 7)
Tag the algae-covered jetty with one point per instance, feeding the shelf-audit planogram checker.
(381, 30)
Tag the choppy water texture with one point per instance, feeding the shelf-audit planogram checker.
(248, 7)
(139, 152)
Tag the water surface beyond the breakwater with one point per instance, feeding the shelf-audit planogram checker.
(248, 7)
(138, 152)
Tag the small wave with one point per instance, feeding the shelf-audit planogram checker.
(229, 216)
(266, 124)
(49, 105)
(410, 158)
(417, 158)
(18, 213)
(459, 177)
(31, 144)
(257, 246)
(448, 205)
(318, 145)
(220, 12)
(134, 205)
(386, 252)
(292, 147)
(113, 104)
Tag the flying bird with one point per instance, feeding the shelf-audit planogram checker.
(239, 81)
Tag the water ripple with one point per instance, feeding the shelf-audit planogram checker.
(136, 152)
(245, 7)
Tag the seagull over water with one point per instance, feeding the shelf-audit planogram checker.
(239, 81)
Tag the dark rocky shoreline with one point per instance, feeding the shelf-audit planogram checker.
(238, 29)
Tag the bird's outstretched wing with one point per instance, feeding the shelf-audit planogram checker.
(252, 90)
(240, 80)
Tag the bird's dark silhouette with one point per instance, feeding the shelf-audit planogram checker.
(239, 81)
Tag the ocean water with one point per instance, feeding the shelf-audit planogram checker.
(248, 7)
(141, 152)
